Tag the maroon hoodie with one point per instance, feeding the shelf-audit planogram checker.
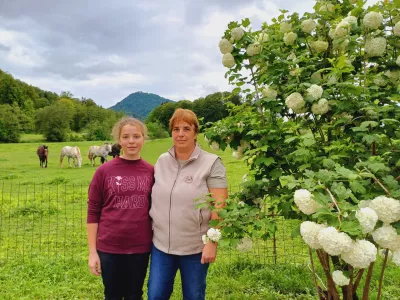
(119, 201)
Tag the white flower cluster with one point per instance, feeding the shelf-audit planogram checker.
(387, 209)
(394, 76)
(308, 25)
(237, 33)
(321, 107)
(228, 60)
(296, 102)
(375, 46)
(315, 92)
(319, 46)
(295, 71)
(361, 254)
(386, 237)
(253, 49)
(289, 38)
(214, 146)
(334, 242)
(367, 218)
(245, 245)
(225, 46)
(326, 7)
(269, 92)
(339, 278)
(316, 76)
(379, 80)
(341, 45)
(398, 60)
(285, 27)
(309, 232)
(342, 29)
(351, 20)
(396, 29)
(263, 37)
(305, 201)
(291, 56)
(213, 235)
(373, 20)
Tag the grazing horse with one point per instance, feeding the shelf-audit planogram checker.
(98, 151)
(43, 151)
(71, 152)
(115, 151)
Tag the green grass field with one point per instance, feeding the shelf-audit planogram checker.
(19, 162)
(43, 250)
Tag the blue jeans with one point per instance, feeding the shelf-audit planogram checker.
(163, 269)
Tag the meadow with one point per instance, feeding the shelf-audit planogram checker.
(43, 251)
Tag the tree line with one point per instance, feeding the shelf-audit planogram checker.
(28, 109)
(209, 109)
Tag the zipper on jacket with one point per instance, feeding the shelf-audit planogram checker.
(170, 205)
(170, 199)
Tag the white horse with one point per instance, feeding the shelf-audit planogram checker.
(98, 151)
(71, 152)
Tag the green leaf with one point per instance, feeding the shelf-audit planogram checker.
(245, 22)
(367, 124)
(224, 242)
(290, 139)
(236, 91)
(357, 187)
(296, 231)
(369, 139)
(352, 228)
(301, 152)
(276, 173)
(328, 163)
(265, 160)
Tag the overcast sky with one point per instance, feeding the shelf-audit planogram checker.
(106, 50)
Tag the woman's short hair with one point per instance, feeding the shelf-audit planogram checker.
(116, 131)
(185, 115)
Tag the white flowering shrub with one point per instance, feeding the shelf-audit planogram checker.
(339, 278)
(321, 119)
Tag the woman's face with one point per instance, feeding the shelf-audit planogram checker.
(131, 140)
(184, 136)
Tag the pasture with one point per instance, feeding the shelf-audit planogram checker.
(20, 164)
(43, 251)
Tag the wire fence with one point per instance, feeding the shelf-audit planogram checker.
(42, 222)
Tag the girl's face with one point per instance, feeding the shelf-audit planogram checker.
(131, 140)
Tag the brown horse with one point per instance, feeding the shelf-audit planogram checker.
(43, 151)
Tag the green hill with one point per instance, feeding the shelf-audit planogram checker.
(139, 104)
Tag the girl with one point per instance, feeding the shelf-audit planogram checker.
(118, 224)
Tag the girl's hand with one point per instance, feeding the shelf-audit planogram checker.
(94, 264)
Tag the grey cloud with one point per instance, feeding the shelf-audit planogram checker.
(78, 40)
(4, 48)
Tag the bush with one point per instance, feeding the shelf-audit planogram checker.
(156, 130)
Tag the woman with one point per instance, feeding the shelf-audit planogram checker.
(182, 175)
(119, 228)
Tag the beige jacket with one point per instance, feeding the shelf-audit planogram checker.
(177, 225)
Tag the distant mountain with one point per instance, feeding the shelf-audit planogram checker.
(139, 104)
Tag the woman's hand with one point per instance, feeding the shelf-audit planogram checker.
(209, 253)
(94, 264)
